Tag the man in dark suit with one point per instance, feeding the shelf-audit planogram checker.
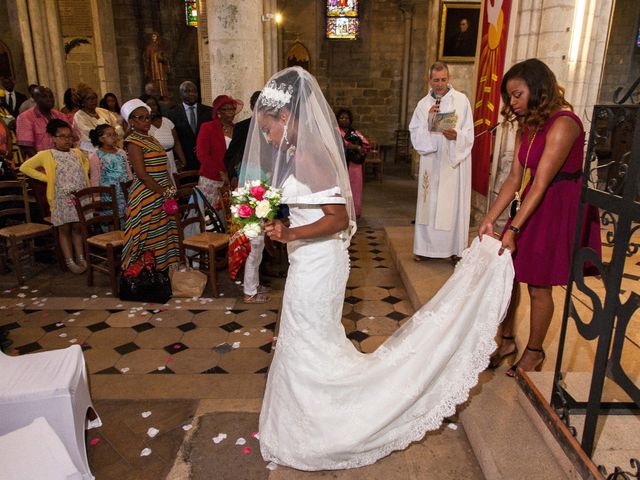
(12, 99)
(187, 118)
(233, 155)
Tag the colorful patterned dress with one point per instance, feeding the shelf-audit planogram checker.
(70, 177)
(110, 169)
(148, 227)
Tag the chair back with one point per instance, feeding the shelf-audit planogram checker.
(14, 203)
(94, 211)
(374, 149)
(188, 178)
(125, 186)
(189, 212)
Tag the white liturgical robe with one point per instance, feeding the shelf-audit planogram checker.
(444, 181)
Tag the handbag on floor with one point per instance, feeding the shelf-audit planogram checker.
(142, 282)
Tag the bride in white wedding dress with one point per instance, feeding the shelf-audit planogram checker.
(327, 405)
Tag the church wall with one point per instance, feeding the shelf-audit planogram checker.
(134, 22)
(622, 62)
(10, 36)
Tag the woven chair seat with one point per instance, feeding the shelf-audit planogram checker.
(24, 230)
(115, 238)
(205, 239)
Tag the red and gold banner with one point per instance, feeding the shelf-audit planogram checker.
(493, 44)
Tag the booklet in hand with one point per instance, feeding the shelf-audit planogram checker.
(443, 121)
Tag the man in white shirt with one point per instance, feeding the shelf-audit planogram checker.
(444, 181)
(187, 118)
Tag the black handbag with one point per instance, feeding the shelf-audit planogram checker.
(212, 222)
(144, 283)
(353, 156)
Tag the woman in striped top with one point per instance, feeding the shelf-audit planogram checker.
(148, 227)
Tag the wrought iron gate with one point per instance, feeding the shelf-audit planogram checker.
(612, 184)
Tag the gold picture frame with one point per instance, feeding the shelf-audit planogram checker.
(457, 42)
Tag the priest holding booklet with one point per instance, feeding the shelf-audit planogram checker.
(442, 133)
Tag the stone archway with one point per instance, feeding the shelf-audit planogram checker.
(298, 54)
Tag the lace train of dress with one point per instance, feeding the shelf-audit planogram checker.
(328, 406)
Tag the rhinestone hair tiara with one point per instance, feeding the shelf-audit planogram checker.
(276, 96)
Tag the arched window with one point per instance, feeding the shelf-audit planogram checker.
(342, 19)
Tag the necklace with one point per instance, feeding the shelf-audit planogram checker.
(526, 176)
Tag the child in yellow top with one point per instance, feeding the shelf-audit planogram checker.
(65, 171)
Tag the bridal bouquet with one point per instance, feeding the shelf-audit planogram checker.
(252, 204)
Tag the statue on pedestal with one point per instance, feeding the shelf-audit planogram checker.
(156, 64)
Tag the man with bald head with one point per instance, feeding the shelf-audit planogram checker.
(187, 118)
(31, 125)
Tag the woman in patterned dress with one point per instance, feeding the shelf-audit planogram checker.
(66, 170)
(148, 227)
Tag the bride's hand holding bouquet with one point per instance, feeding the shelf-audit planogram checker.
(253, 205)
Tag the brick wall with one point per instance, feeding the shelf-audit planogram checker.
(134, 21)
(622, 62)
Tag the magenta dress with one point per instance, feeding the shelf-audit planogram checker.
(543, 256)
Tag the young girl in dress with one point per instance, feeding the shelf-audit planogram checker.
(66, 170)
(108, 164)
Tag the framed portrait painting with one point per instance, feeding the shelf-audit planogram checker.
(459, 25)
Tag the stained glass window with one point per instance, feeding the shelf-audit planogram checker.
(191, 13)
(342, 19)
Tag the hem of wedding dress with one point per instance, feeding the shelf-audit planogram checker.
(457, 394)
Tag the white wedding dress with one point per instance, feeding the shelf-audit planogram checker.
(328, 406)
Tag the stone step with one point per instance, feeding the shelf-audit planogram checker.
(504, 439)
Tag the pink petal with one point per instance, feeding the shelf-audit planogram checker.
(94, 441)
(246, 450)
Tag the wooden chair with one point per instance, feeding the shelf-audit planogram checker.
(374, 161)
(97, 214)
(205, 244)
(18, 228)
(188, 178)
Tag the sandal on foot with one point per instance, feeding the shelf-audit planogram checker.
(263, 289)
(496, 359)
(512, 371)
(257, 298)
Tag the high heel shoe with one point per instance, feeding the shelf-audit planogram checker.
(496, 359)
(512, 371)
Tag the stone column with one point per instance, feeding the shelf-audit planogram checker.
(407, 7)
(270, 38)
(104, 38)
(27, 41)
(56, 49)
(236, 48)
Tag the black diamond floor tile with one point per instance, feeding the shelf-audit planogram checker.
(28, 311)
(358, 336)
(96, 327)
(185, 327)
(397, 316)
(375, 250)
(71, 312)
(378, 258)
(142, 327)
(10, 326)
(355, 316)
(215, 369)
(127, 348)
(352, 300)
(374, 244)
(263, 370)
(271, 326)
(175, 347)
(195, 312)
(109, 370)
(231, 326)
(354, 259)
(115, 310)
(29, 347)
(222, 348)
(391, 299)
(53, 326)
(237, 310)
(266, 347)
(165, 370)
(381, 266)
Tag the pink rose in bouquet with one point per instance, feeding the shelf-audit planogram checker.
(258, 192)
(245, 211)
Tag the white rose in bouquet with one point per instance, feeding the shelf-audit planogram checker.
(252, 230)
(263, 208)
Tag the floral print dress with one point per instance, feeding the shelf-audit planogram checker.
(70, 177)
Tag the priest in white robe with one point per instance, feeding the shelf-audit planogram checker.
(444, 181)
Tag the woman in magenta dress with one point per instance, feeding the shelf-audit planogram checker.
(356, 147)
(549, 143)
